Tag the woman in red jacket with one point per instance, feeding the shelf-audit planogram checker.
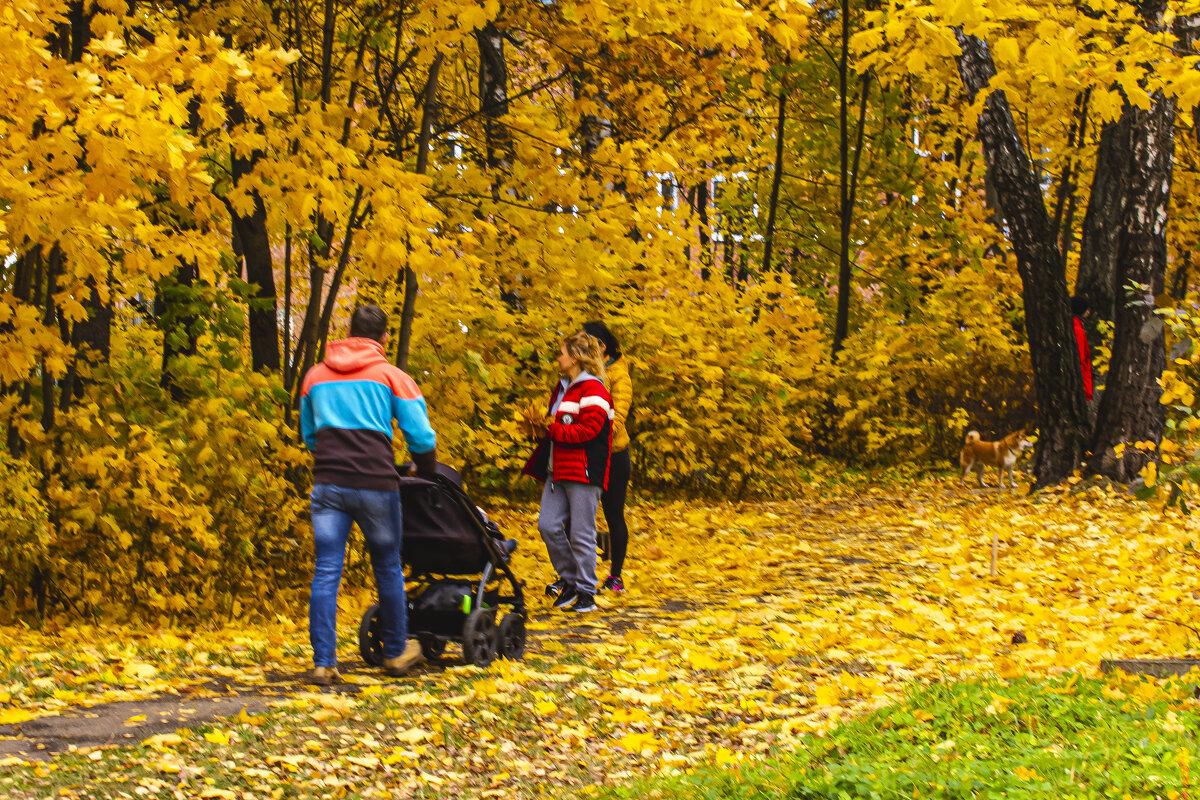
(1079, 312)
(572, 459)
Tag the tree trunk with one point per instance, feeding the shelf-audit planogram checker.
(320, 244)
(493, 95)
(328, 32)
(254, 245)
(1062, 415)
(91, 337)
(94, 332)
(776, 180)
(1096, 281)
(304, 355)
(1179, 284)
(841, 326)
(1064, 201)
(1130, 411)
(428, 114)
(702, 198)
(849, 192)
(353, 220)
(54, 268)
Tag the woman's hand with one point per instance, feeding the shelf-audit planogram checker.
(533, 421)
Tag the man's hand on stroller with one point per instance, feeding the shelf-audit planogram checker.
(425, 464)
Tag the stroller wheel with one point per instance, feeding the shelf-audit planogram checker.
(512, 637)
(431, 646)
(369, 646)
(480, 638)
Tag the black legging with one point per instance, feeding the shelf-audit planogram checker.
(613, 502)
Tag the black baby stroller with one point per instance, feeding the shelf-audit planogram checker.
(448, 541)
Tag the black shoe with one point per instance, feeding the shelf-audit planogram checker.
(556, 588)
(567, 597)
(612, 584)
(506, 547)
(584, 603)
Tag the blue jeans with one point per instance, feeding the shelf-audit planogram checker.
(334, 510)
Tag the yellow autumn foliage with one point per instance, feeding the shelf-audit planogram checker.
(169, 510)
(142, 477)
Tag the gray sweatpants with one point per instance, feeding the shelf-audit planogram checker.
(567, 522)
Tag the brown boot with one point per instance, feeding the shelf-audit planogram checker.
(401, 664)
(325, 676)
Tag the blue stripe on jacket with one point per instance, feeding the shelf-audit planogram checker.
(365, 405)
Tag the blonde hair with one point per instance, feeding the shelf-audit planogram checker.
(588, 351)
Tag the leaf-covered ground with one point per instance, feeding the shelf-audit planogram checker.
(744, 629)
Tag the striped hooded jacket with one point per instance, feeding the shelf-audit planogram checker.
(576, 446)
(347, 405)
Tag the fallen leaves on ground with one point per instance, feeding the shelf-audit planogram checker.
(743, 629)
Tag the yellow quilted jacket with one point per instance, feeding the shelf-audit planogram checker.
(621, 389)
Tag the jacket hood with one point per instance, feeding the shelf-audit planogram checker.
(349, 355)
(583, 375)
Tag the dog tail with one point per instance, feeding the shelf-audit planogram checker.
(972, 437)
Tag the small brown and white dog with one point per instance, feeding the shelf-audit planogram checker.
(978, 454)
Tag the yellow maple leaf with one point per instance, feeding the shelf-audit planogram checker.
(9, 716)
(827, 695)
(638, 743)
(217, 737)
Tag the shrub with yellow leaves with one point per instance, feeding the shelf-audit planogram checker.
(1176, 479)
(159, 508)
(25, 520)
(724, 381)
(907, 388)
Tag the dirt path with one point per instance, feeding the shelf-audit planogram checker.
(128, 723)
(124, 723)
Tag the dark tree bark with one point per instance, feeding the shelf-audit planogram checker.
(428, 115)
(1130, 411)
(841, 327)
(26, 273)
(849, 192)
(1096, 281)
(1179, 284)
(1062, 415)
(493, 94)
(353, 221)
(310, 342)
(702, 199)
(94, 333)
(254, 246)
(304, 355)
(91, 337)
(328, 31)
(1142, 147)
(54, 268)
(776, 180)
(1065, 197)
(593, 130)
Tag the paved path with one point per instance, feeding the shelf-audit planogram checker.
(125, 723)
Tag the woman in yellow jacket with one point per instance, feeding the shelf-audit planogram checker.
(613, 499)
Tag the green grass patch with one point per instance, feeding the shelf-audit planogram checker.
(1067, 737)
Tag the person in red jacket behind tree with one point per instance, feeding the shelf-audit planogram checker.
(1079, 311)
(573, 459)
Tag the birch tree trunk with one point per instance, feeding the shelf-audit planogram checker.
(1096, 280)
(1130, 411)
(1062, 415)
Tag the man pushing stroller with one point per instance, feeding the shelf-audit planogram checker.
(347, 406)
